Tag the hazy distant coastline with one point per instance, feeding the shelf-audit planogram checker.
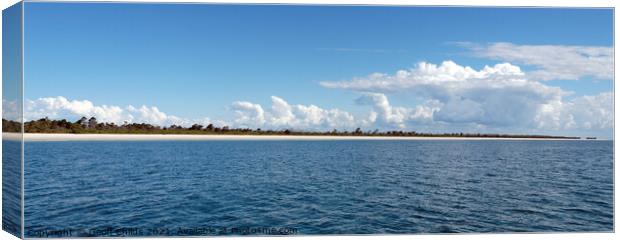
(44, 137)
(89, 129)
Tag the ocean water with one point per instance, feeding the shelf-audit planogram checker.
(317, 187)
(11, 186)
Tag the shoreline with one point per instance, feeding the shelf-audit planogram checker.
(54, 137)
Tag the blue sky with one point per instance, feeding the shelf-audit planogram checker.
(195, 60)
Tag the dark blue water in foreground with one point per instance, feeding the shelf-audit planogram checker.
(317, 187)
(11, 186)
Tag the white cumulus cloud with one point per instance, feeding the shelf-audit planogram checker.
(390, 116)
(553, 62)
(11, 110)
(382, 115)
(427, 75)
(586, 112)
(499, 96)
(63, 108)
(302, 117)
(249, 114)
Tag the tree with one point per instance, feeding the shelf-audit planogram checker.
(358, 131)
(175, 127)
(196, 127)
(83, 121)
(11, 126)
(92, 122)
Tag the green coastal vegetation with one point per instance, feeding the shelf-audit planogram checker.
(92, 126)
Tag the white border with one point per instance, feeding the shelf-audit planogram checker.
(488, 3)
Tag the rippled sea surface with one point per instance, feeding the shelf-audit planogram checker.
(11, 186)
(318, 187)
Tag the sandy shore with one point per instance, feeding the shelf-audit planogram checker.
(167, 137)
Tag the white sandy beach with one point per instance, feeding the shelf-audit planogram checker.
(38, 137)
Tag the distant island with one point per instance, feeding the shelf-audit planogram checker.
(92, 126)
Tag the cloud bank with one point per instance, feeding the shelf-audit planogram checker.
(473, 109)
(382, 115)
(494, 96)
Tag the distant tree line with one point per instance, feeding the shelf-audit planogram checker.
(11, 126)
(91, 125)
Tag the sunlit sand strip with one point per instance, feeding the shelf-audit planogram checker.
(179, 137)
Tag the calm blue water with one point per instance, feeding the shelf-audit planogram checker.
(318, 187)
